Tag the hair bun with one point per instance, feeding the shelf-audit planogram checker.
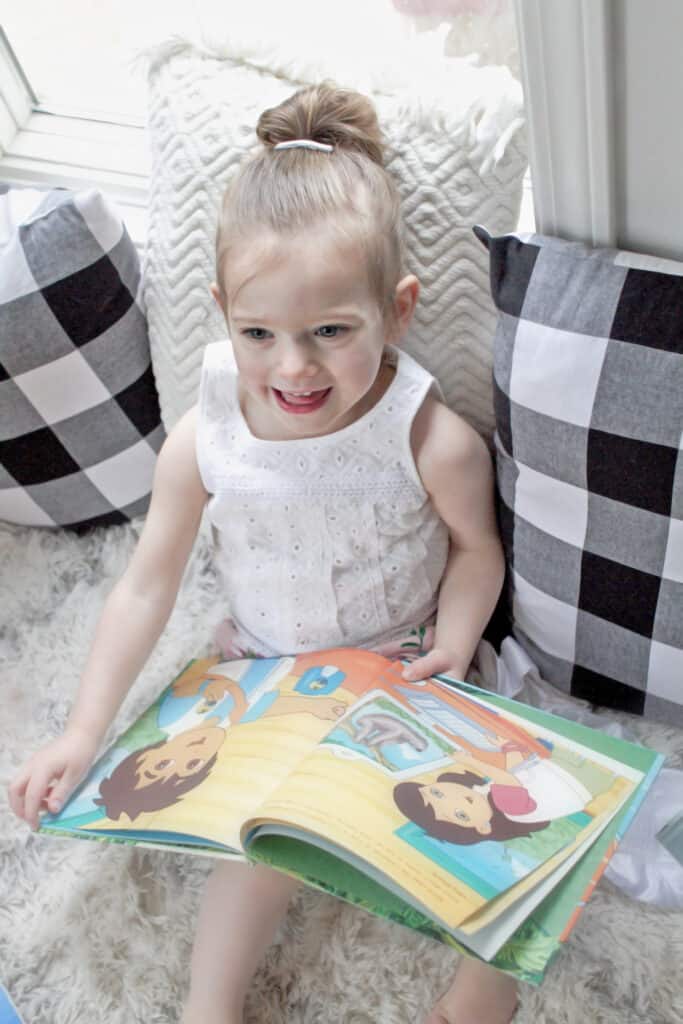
(325, 113)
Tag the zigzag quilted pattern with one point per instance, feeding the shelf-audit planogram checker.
(203, 111)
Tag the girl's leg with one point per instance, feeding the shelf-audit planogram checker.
(478, 994)
(240, 911)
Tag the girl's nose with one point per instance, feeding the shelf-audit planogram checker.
(296, 360)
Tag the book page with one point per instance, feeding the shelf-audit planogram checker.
(459, 803)
(214, 745)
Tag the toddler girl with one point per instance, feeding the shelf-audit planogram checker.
(349, 506)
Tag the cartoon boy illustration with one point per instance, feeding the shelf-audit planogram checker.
(159, 774)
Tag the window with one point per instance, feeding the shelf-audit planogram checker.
(80, 58)
(45, 140)
(73, 75)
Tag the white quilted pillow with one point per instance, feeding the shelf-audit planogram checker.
(202, 117)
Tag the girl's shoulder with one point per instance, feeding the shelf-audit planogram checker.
(179, 448)
(182, 434)
(442, 441)
(178, 496)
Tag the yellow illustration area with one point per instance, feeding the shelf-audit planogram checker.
(253, 760)
(350, 802)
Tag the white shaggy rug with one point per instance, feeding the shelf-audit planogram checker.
(97, 933)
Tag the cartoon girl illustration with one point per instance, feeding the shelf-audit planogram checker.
(481, 799)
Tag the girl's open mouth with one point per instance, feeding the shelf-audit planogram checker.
(301, 401)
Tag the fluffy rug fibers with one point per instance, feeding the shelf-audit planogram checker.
(91, 932)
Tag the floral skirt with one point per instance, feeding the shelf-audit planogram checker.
(413, 644)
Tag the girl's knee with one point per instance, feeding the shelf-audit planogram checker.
(257, 878)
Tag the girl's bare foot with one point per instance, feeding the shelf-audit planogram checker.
(478, 994)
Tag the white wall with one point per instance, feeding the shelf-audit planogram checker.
(648, 109)
(603, 83)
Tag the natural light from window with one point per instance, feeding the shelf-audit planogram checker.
(80, 57)
(83, 58)
(85, 62)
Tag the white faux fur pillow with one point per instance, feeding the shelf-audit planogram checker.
(456, 163)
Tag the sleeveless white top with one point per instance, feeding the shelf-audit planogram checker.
(324, 541)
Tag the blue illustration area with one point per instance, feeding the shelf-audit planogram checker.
(487, 867)
(440, 713)
(386, 738)
(173, 708)
(320, 680)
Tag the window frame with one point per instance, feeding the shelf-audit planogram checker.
(17, 99)
(43, 148)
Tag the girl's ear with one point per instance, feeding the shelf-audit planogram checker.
(215, 291)
(405, 300)
(484, 829)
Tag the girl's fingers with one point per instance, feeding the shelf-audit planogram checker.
(428, 665)
(36, 791)
(61, 790)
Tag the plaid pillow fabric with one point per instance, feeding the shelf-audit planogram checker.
(588, 386)
(79, 414)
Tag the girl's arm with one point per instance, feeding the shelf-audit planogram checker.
(134, 615)
(140, 604)
(456, 470)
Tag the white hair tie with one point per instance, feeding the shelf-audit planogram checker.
(305, 144)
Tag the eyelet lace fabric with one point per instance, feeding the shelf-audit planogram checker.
(323, 541)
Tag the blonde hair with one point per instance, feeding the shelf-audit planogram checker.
(347, 189)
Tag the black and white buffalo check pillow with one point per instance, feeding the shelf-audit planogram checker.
(79, 414)
(588, 386)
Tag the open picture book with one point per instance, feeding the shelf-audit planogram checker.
(465, 815)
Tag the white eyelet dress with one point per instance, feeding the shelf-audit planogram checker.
(326, 541)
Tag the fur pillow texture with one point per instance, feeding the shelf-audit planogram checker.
(101, 932)
(458, 156)
(588, 384)
(79, 414)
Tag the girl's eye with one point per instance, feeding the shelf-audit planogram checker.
(436, 792)
(256, 333)
(461, 816)
(160, 765)
(194, 763)
(330, 330)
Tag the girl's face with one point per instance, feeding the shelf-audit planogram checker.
(307, 333)
(459, 805)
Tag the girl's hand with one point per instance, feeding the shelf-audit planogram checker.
(436, 661)
(47, 778)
